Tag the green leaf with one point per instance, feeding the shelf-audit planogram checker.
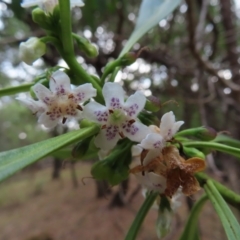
(229, 196)
(190, 231)
(150, 13)
(221, 138)
(114, 168)
(15, 90)
(133, 230)
(16, 159)
(229, 222)
(103, 170)
(214, 146)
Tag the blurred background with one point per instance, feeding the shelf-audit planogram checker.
(192, 57)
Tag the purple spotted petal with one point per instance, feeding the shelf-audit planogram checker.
(135, 104)
(135, 132)
(153, 141)
(43, 93)
(96, 113)
(84, 92)
(48, 121)
(60, 83)
(107, 138)
(114, 95)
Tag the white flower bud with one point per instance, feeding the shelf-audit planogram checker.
(31, 50)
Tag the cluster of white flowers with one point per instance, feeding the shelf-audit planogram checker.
(118, 119)
(154, 142)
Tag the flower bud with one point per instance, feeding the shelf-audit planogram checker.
(31, 50)
(193, 152)
(40, 17)
(202, 133)
(86, 46)
(128, 58)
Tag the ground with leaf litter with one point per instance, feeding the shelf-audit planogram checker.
(34, 207)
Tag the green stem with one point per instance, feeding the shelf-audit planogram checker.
(226, 216)
(53, 40)
(80, 72)
(213, 145)
(68, 50)
(229, 196)
(15, 90)
(114, 74)
(66, 27)
(190, 230)
(132, 233)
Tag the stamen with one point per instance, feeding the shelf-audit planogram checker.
(103, 126)
(121, 134)
(48, 113)
(110, 111)
(64, 120)
(131, 121)
(79, 108)
(70, 96)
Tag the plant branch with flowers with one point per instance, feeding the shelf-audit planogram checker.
(117, 128)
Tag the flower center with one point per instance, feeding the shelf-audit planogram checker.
(62, 106)
(117, 116)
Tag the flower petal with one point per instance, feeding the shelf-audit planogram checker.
(96, 113)
(135, 132)
(43, 93)
(176, 126)
(30, 3)
(152, 154)
(168, 126)
(153, 141)
(47, 121)
(76, 3)
(84, 92)
(152, 181)
(107, 138)
(60, 83)
(37, 107)
(113, 94)
(136, 150)
(135, 104)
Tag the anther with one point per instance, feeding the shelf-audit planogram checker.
(131, 121)
(70, 96)
(64, 120)
(79, 107)
(48, 113)
(110, 111)
(121, 134)
(103, 126)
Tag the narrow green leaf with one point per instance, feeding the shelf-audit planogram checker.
(229, 222)
(150, 13)
(227, 140)
(190, 231)
(132, 232)
(229, 196)
(16, 159)
(214, 146)
(15, 90)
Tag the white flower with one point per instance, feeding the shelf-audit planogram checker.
(145, 174)
(157, 139)
(118, 118)
(152, 181)
(49, 5)
(60, 102)
(31, 50)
